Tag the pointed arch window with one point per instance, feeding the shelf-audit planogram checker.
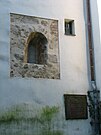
(37, 48)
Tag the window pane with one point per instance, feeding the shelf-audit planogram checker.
(32, 54)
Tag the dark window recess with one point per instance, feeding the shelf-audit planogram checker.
(37, 49)
(32, 53)
(75, 106)
(69, 27)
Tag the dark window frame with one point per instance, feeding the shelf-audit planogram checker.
(69, 27)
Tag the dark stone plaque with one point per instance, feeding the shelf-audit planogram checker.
(75, 106)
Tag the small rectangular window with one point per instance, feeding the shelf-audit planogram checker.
(69, 27)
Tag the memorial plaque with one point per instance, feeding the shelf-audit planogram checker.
(75, 106)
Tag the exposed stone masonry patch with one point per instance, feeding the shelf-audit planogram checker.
(21, 27)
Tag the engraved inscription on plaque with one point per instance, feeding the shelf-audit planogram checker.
(75, 106)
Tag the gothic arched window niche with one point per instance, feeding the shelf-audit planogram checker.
(36, 49)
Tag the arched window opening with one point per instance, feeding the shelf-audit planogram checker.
(37, 49)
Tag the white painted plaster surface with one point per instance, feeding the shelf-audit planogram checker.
(73, 59)
(96, 27)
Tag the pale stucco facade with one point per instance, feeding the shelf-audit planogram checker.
(28, 94)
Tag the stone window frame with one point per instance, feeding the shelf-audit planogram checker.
(29, 39)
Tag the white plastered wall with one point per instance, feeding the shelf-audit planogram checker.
(73, 59)
(96, 32)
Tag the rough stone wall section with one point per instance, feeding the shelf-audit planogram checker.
(21, 26)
